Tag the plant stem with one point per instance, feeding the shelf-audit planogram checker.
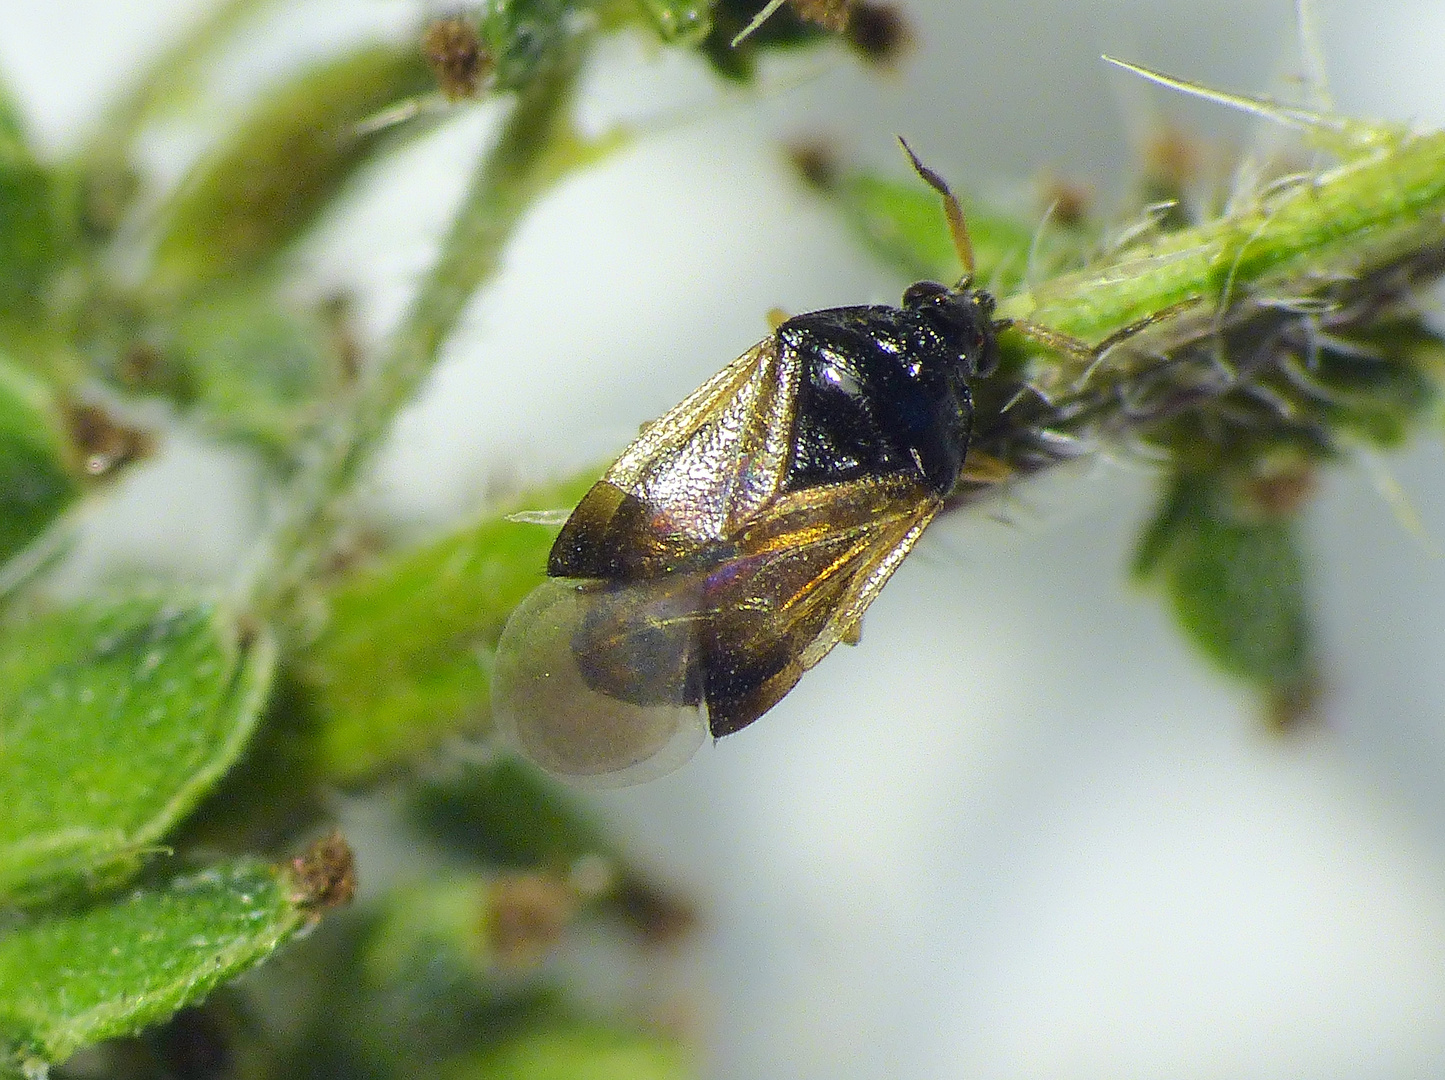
(514, 172)
(1348, 222)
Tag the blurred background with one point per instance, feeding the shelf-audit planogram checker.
(1020, 831)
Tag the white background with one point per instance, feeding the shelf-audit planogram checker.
(1019, 832)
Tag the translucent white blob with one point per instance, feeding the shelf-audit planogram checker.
(545, 708)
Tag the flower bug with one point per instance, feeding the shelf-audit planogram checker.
(742, 536)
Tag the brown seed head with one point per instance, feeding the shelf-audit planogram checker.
(102, 442)
(879, 33)
(829, 14)
(525, 917)
(324, 876)
(454, 50)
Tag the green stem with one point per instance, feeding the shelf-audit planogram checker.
(515, 171)
(1353, 220)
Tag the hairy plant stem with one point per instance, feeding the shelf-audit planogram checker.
(513, 173)
(1297, 239)
(1242, 354)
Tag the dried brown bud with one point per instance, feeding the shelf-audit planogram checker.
(1293, 707)
(879, 33)
(525, 917)
(324, 877)
(1068, 202)
(1277, 488)
(454, 50)
(829, 14)
(102, 442)
(662, 918)
(816, 160)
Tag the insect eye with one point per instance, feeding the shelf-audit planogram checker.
(922, 292)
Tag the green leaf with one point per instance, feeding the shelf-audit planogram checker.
(682, 21)
(36, 483)
(30, 233)
(285, 164)
(505, 812)
(259, 369)
(404, 660)
(577, 1053)
(69, 981)
(115, 718)
(1236, 584)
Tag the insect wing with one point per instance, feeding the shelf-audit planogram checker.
(612, 683)
(804, 574)
(692, 479)
(544, 701)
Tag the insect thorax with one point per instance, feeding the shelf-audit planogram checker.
(883, 390)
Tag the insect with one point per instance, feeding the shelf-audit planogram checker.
(742, 536)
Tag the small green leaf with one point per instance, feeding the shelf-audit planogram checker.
(469, 926)
(289, 159)
(36, 483)
(115, 718)
(1236, 584)
(428, 924)
(30, 233)
(110, 970)
(404, 660)
(1176, 512)
(505, 812)
(577, 1053)
(685, 22)
(258, 369)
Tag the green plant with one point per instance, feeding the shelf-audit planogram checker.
(165, 750)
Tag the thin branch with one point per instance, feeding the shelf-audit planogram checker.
(513, 173)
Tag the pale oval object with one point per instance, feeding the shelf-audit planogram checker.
(545, 709)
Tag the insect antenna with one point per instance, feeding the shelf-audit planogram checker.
(1081, 351)
(957, 228)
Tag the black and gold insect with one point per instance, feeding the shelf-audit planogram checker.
(742, 536)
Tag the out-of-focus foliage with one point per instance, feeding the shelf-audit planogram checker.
(154, 742)
(405, 656)
(281, 168)
(36, 478)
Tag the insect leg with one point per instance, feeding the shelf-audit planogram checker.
(1079, 349)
